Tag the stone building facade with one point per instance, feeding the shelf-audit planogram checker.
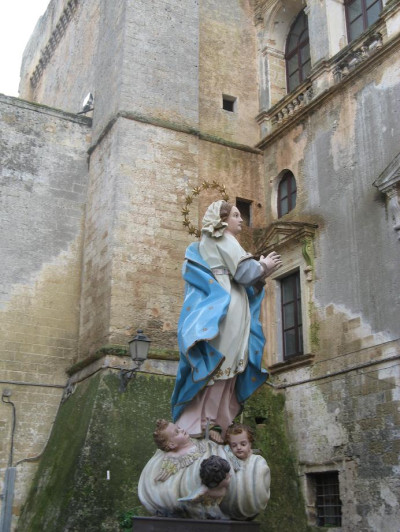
(193, 91)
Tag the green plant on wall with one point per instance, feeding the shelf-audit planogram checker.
(314, 327)
(125, 518)
(88, 476)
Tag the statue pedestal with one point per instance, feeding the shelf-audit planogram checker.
(164, 524)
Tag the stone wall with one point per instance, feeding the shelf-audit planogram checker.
(59, 59)
(43, 193)
(102, 438)
(158, 71)
(135, 238)
(228, 66)
(342, 399)
(150, 150)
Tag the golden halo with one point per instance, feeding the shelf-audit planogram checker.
(189, 199)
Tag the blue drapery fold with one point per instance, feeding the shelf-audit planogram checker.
(205, 305)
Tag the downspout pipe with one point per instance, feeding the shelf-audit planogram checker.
(9, 479)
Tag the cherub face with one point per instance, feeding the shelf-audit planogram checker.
(177, 437)
(240, 445)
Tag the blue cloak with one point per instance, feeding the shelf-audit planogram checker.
(205, 305)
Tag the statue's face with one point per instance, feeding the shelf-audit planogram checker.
(177, 437)
(234, 221)
(240, 445)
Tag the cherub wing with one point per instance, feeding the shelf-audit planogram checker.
(167, 469)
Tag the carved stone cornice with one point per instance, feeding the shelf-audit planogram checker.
(389, 184)
(279, 234)
(390, 177)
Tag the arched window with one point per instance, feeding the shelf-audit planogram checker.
(287, 193)
(360, 15)
(297, 56)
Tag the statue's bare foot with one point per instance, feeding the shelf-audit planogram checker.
(215, 436)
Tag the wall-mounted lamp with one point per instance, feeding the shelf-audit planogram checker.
(87, 104)
(138, 349)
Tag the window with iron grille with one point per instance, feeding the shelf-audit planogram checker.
(292, 326)
(360, 15)
(229, 103)
(297, 56)
(328, 505)
(287, 194)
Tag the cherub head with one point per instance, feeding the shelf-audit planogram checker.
(239, 438)
(170, 437)
(214, 471)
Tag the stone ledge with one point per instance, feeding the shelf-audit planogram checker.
(158, 524)
(45, 109)
(121, 351)
(172, 126)
(294, 363)
(115, 357)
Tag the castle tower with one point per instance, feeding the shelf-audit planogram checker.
(160, 74)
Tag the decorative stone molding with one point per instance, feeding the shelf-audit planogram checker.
(293, 363)
(345, 65)
(261, 8)
(327, 76)
(295, 241)
(389, 184)
(308, 254)
(54, 40)
(279, 234)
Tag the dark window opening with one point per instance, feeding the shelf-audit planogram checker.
(244, 207)
(287, 194)
(297, 56)
(229, 103)
(292, 325)
(360, 15)
(328, 505)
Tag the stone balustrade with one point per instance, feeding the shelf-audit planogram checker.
(286, 108)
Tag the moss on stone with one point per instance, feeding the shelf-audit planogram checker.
(314, 327)
(286, 510)
(157, 353)
(98, 429)
(121, 351)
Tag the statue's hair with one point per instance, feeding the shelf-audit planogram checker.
(213, 470)
(160, 438)
(238, 428)
(225, 210)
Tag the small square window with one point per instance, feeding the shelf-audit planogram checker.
(229, 103)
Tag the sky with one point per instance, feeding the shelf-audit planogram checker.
(17, 22)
